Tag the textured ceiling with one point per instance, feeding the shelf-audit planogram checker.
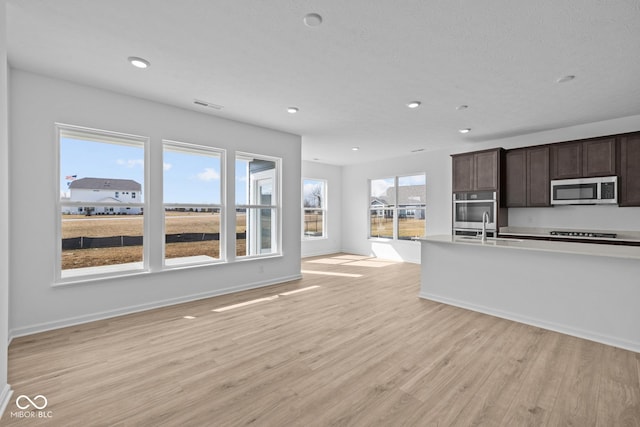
(352, 76)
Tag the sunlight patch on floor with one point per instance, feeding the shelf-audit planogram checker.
(258, 300)
(295, 291)
(352, 257)
(243, 304)
(372, 263)
(330, 273)
(329, 261)
(352, 260)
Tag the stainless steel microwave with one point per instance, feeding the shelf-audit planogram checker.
(585, 191)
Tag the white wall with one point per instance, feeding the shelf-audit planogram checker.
(37, 102)
(333, 176)
(437, 165)
(4, 213)
(577, 218)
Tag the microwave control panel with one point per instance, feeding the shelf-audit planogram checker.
(608, 190)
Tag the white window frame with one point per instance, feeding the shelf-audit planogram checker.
(275, 206)
(62, 277)
(395, 207)
(323, 208)
(205, 151)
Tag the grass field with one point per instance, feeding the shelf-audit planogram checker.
(175, 223)
(407, 227)
(313, 224)
(185, 222)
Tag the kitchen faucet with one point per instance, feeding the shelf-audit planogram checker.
(485, 221)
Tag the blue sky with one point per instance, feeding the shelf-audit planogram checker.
(188, 178)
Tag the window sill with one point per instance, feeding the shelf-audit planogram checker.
(92, 274)
(389, 239)
(88, 275)
(190, 261)
(255, 257)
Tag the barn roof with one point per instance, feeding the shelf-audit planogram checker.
(105, 184)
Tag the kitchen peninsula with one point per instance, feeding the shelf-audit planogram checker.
(586, 290)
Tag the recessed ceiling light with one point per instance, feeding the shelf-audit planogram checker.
(465, 130)
(414, 104)
(565, 79)
(292, 110)
(312, 20)
(138, 62)
(355, 148)
(462, 107)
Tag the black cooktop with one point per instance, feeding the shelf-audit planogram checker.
(584, 234)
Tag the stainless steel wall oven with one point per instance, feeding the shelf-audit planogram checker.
(468, 210)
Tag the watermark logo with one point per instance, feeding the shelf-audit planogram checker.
(31, 407)
(20, 402)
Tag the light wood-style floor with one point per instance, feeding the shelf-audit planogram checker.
(360, 349)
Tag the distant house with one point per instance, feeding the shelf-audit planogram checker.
(379, 204)
(411, 202)
(115, 192)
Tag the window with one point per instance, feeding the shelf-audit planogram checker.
(397, 207)
(192, 203)
(314, 208)
(257, 205)
(93, 167)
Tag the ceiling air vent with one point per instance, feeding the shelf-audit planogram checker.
(207, 104)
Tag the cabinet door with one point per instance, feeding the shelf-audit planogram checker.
(516, 164)
(538, 182)
(599, 157)
(463, 172)
(487, 171)
(566, 160)
(629, 190)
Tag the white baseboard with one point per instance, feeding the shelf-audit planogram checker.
(72, 321)
(5, 397)
(563, 329)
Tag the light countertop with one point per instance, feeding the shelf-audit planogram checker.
(593, 249)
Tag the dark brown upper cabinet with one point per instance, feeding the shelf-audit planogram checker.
(566, 160)
(516, 181)
(463, 172)
(477, 171)
(527, 177)
(629, 188)
(599, 157)
(583, 159)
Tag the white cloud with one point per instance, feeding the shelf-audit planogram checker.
(209, 174)
(379, 186)
(166, 166)
(130, 163)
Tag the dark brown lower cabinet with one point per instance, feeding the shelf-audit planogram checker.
(629, 188)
